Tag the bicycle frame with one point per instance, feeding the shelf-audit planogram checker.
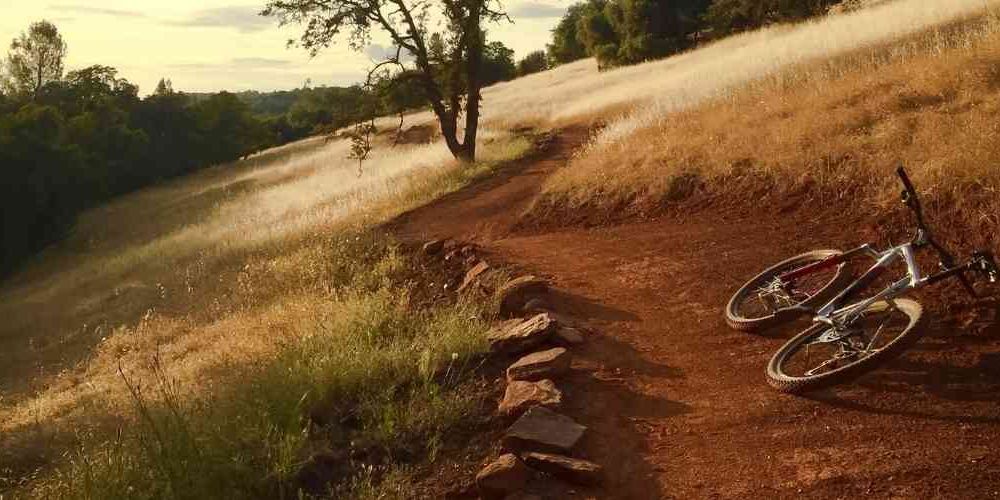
(837, 315)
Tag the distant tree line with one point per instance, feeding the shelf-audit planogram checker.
(71, 140)
(620, 32)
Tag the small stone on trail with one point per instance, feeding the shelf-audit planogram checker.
(515, 337)
(543, 430)
(518, 291)
(539, 365)
(433, 247)
(504, 475)
(569, 469)
(521, 395)
(474, 274)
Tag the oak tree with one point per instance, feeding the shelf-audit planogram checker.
(35, 58)
(451, 89)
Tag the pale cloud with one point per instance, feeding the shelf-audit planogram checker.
(237, 63)
(208, 45)
(536, 10)
(260, 62)
(83, 9)
(245, 18)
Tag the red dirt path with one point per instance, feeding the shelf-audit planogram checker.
(676, 402)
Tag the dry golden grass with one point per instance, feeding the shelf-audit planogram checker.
(218, 273)
(820, 137)
(646, 93)
(212, 276)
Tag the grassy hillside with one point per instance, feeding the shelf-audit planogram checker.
(179, 339)
(820, 132)
(206, 319)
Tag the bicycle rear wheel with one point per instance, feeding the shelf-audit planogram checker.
(823, 356)
(754, 306)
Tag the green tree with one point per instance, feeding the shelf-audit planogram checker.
(98, 83)
(727, 16)
(532, 63)
(566, 44)
(401, 93)
(498, 63)
(406, 25)
(164, 87)
(36, 58)
(596, 32)
(633, 31)
(226, 128)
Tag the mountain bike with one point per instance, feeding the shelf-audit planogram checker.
(850, 335)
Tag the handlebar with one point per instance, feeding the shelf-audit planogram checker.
(913, 202)
(901, 172)
(910, 197)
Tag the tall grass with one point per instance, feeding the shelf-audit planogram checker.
(363, 373)
(241, 335)
(825, 134)
(637, 96)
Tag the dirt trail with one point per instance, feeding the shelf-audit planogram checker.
(676, 402)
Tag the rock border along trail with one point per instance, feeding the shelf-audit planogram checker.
(675, 403)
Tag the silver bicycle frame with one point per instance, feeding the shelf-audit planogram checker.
(836, 315)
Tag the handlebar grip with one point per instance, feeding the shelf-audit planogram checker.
(901, 172)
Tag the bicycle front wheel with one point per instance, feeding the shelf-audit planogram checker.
(823, 356)
(755, 305)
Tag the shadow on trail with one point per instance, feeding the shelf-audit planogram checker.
(615, 353)
(578, 306)
(613, 395)
(860, 405)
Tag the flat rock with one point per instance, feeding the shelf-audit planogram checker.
(569, 469)
(540, 429)
(569, 336)
(540, 365)
(473, 275)
(517, 292)
(521, 395)
(515, 337)
(505, 475)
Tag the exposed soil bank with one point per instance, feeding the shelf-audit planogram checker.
(676, 402)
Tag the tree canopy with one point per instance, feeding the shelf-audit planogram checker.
(618, 32)
(566, 44)
(533, 63)
(87, 136)
(35, 58)
(449, 64)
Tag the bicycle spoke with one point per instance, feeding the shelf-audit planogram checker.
(837, 357)
(830, 349)
(772, 295)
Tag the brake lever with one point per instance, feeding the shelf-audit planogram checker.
(985, 264)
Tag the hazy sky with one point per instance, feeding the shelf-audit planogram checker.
(209, 45)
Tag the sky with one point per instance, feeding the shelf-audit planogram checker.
(212, 45)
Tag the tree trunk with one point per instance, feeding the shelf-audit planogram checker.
(474, 62)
